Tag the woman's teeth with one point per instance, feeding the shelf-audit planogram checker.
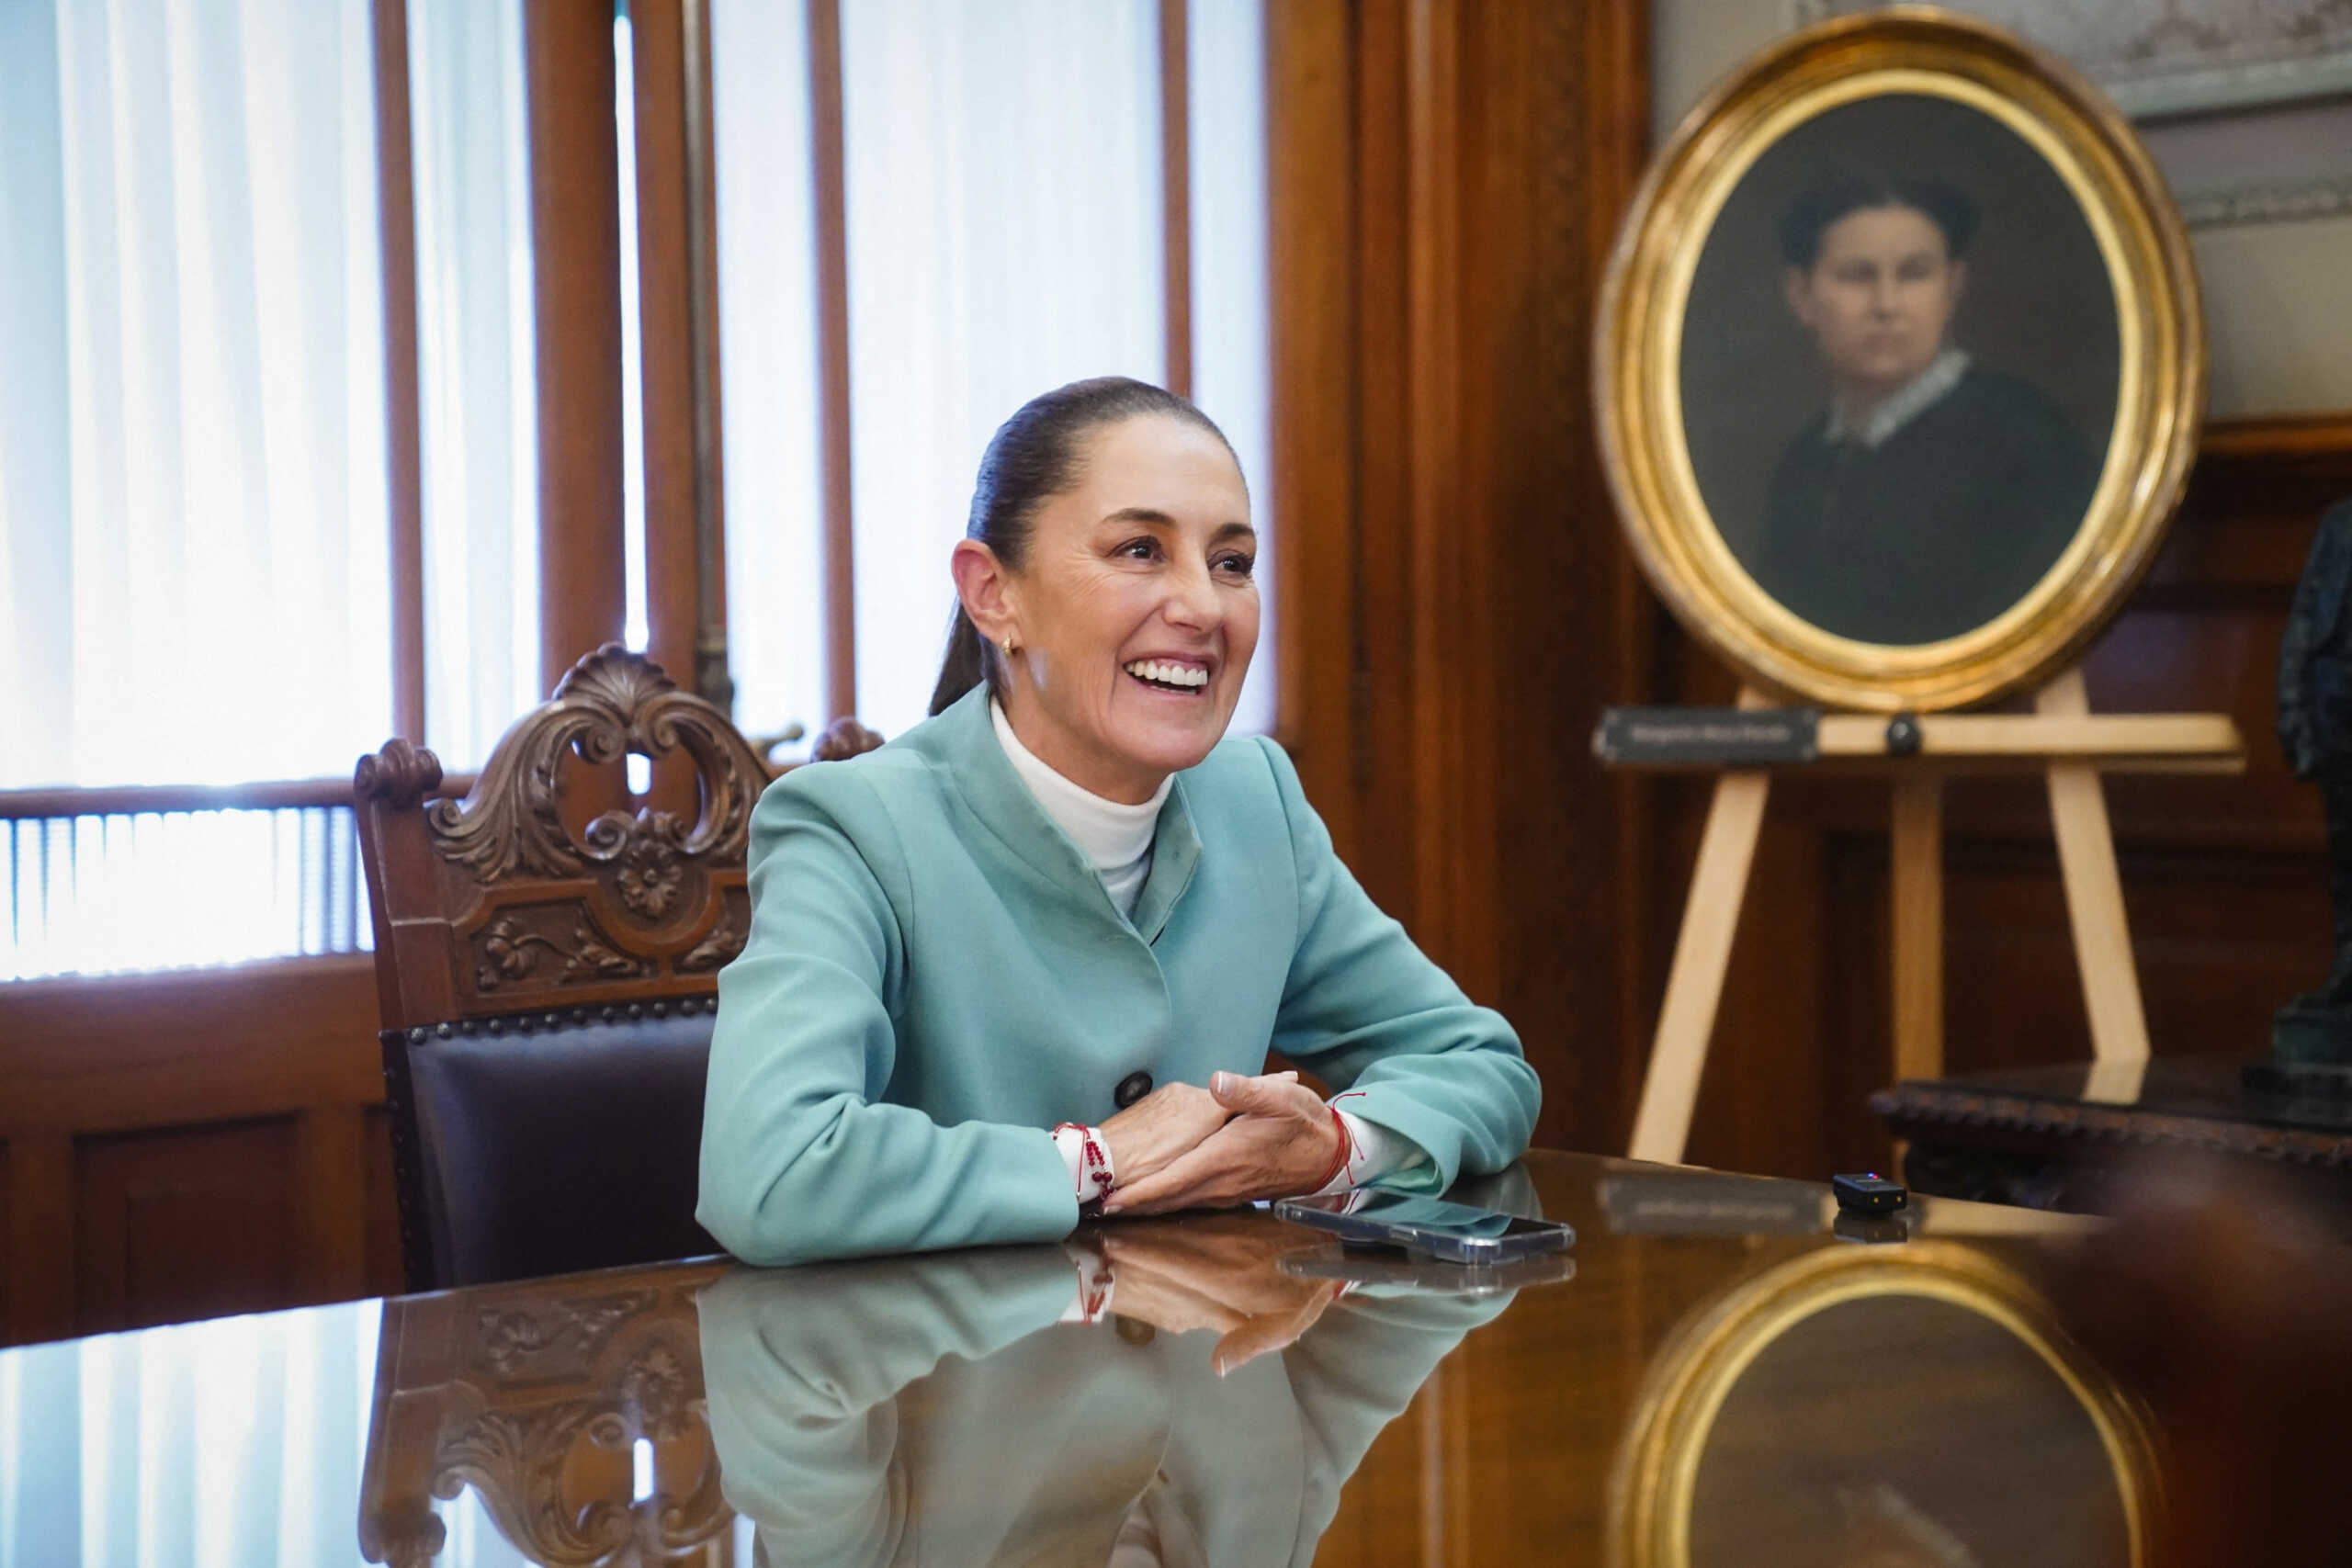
(1162, 673)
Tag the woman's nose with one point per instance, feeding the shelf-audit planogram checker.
(1191, 598)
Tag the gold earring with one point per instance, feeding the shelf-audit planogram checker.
(1011, 647)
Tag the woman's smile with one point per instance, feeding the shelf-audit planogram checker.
(1172, 676)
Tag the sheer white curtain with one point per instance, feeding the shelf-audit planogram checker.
(36, 494)
(192, 504)
(193, 527)
(478, 418)
(1232, 361)
(1003, 183)
(767, 323)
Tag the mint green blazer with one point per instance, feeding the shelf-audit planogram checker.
(936, 976)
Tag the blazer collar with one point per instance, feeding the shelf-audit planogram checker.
(994, 791)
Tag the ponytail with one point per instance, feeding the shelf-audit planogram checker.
(966, 665)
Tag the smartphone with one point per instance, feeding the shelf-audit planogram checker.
(1420, 1274)
(1454, 1232)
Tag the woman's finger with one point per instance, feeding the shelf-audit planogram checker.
(1220, 1173)
(1176, 1179)
(1163, 1126)
(1278, 1095)
(1172, 1303)
(1267, 1331)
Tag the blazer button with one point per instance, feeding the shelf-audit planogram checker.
(1132, 1087)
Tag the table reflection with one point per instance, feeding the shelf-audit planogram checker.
(572, 1408)
(958, 1409)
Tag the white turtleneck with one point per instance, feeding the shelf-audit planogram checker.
(1115, 838)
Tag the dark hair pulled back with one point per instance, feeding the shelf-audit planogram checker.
(1034, 456)
(1949, 207)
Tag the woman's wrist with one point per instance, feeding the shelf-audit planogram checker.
(1086, 1154)
(1345, 1148)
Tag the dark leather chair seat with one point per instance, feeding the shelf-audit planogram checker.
(562, 1141)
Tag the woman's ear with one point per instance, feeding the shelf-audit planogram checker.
(986, 590)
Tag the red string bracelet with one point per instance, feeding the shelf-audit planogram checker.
(1339, 1160)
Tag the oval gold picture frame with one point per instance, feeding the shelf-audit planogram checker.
(1654, 1479)
(1637, 366)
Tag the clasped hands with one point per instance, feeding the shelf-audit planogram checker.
(1239, 1139)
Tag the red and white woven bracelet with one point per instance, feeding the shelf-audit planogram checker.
(1093, 1162)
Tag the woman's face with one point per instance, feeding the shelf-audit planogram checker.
(1136, 610)
(1878, 297)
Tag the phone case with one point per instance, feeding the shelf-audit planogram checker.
(1451, 1231)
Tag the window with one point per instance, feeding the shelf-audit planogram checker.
(191, 425)
(191, 469)
(195, 539)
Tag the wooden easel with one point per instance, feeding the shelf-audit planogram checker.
(2061, 737)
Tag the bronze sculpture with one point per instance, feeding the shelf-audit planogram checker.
(2314, 1030)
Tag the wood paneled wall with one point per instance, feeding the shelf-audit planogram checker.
(177, 1146)
(1445, 180)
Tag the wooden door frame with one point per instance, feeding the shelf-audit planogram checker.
(1445, 182)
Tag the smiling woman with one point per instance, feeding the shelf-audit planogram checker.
(975, 952)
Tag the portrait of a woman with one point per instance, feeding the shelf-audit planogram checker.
(1029, 959)
(1932, 490)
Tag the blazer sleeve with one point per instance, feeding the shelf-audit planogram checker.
(800, 1158)
(1365, 1010)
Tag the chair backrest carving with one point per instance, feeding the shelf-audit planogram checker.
(507, 901)
(547, 953)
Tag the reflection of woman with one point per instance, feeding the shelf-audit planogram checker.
(970, 947)
(1931, 493)
(980, 1407)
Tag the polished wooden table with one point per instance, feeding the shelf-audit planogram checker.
(1722, 1371)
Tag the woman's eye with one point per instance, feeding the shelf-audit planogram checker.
(1137, 550)
(1238, 566)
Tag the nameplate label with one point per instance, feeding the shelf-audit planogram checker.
(1667, 1203)
(1735, 736)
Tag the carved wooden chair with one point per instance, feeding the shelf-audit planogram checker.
(547, 977)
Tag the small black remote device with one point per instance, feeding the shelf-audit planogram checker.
(1869, 1193)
